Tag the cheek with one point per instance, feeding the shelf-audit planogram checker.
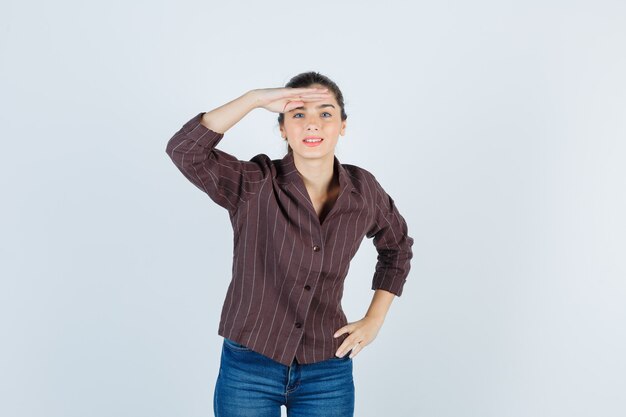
(292, 126)
(293, 132)
(334, 126)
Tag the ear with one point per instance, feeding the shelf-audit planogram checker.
(342, 132)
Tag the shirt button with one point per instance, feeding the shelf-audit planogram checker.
(298, 325)
(316, 248)
(307, 287)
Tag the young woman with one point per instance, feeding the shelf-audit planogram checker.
(297, 223)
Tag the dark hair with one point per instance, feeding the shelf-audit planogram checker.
(307, 79)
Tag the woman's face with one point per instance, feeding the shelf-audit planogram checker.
(315, 119)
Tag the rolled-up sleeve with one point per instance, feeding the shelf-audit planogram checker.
(393, 244)
(227, 180)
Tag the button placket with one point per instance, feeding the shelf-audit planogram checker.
(316, 248)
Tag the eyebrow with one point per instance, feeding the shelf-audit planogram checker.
(321, 106)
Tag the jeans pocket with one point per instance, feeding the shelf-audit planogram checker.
(346, 356)
(235, 346)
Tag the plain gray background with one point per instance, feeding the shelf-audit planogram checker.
(505, 120)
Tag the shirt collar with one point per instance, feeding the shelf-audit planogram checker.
(289, 172)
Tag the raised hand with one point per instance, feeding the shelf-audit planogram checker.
(284, 99)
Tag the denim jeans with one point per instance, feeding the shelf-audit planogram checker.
(252, 385)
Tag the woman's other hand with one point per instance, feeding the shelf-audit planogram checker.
(362, 333)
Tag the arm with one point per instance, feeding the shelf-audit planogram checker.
(364, 331)
(227, 115)
(393, 244)
(273, 99)
(390, 233)
(227, 180)
(380, 305)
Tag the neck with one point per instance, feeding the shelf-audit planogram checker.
(317, 173)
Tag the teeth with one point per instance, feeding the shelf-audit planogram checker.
(312, 140)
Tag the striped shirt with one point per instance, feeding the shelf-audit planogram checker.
(288, 270)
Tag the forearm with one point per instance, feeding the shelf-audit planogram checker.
(380, 304)
(227, 115)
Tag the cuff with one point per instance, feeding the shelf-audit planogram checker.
(394, 285)
(200, 133)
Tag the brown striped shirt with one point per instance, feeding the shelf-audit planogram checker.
(288, 271)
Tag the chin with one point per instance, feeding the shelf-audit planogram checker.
(315, 155)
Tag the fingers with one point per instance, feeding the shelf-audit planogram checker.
(292, 103)
(299, 90)
(289, 105)
(297, 101)
(308, 93)
(356, 341)
(345, 346)
(354, 346)
(341, 331)
(356, 350)
(309, 96)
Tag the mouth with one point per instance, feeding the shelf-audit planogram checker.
(312, 140)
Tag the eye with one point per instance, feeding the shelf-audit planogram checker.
(295, 116)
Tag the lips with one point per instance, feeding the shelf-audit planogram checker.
(312, 140)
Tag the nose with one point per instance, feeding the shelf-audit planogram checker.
(312, 124)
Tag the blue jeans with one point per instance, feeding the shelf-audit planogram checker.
(252, 385)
